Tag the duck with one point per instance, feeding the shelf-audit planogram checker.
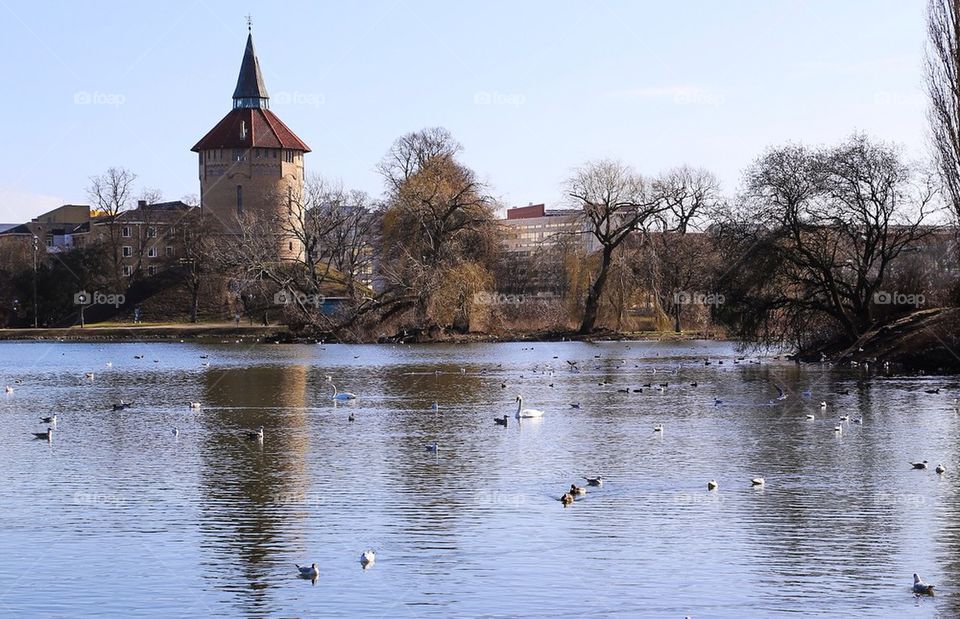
(433, 447)
(255, 436)
(48, 435)
(435, 406)
(193, 405)
(308, 572)
(838, 429)
(940, 469)
(175, 431)
(576, 490)
(758, 481)
(594, 481)
(51, 419)
(811, 417)
(858, 420)
(367, 558)
(920, 587)
(575, 405)
(823, 405)
(658, 427)
(501, 422)
(937, 390)
(122, 405)
(845, 418)
(566, 499)
(523, 413)
(712, 484)
(89, 375)
(919, 465)
(351, 417)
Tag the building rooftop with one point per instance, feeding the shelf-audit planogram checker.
(250, 128)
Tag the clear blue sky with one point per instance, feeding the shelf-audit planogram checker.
(531, 89)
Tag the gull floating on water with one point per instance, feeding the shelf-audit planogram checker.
(712, 484)
(433, 447)
(940, 469)
(920, 587)
(308, 572)
(594, 481)
(811, 417)
(658, 427)
(255, 436)
(919, 465)
(194, 405)
(758, 481)
(8, 389)
(51, 419)
(368, 557)
(823, 405)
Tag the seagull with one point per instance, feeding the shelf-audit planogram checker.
(845, 418)
(47, 436)
(89, 375)
(758, 481)
(712, 484)
(594, 481)
(501, 422)
(658, 427)
(255, 436)
(51, 419)
(308, 572)
(838, 429)
(823, 405)
(193, 405)
(576, 490)
(367, 558)
(940, 469)
(8, 389)
(811, 417)
(919, 465)
(122, 405)
(920, 587)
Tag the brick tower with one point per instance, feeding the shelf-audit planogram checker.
(251, 164)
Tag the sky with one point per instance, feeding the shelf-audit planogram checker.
(532, 89)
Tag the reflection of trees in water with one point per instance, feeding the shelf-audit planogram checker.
(246, 485)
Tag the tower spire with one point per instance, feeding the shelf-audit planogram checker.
(250, 91)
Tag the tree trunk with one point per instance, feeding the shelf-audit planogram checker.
(593, 298)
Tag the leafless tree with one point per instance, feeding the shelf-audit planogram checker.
(111, 193)
(942, 68)
(616, 202)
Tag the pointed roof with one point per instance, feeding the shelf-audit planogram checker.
(250, 128)
(250, 91)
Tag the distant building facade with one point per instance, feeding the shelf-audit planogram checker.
(533, 228)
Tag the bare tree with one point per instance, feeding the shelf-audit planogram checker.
(942, 67)
(111, 194)
(616, 202)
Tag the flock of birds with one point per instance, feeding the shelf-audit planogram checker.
(368, 557)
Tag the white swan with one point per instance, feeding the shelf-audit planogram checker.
(526, 413)
(338, 395)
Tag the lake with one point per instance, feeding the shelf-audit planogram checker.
(118, 516)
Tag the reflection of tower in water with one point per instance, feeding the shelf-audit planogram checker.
(248, 488)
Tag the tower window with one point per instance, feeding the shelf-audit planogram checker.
(238, 154)
(289, 200)
(239, 200)
(291, 245)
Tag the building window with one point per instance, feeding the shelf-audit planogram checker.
(127, 251)
(239, 200)
(125, 232)
(289, 200)
(238, 154)
(152, 270)
(274, 152)
(152, 252)
(151, 233)
(291, 245)
(127, 270)
(258, 152)
(201, 156)
(169, 251)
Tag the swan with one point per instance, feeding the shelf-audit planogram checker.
(940, 469)
(524, 413)
(340, 396)
(308, 572)
(48, 435)
(594, 481)
(367, 557)
(758, 481)
(920, 587)
(255, 436)
(712, 484)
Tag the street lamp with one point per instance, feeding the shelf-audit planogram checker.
(36, 248)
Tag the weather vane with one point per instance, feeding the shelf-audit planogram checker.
(249, 23)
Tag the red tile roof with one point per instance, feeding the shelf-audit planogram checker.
(263, 130)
